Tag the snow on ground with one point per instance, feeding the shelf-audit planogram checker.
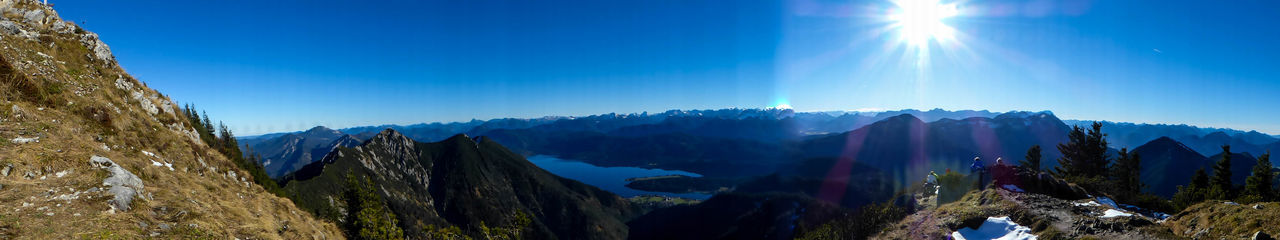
(1013, 188)
(1108, 202)
(1110, 213)
(995, 228)
(159, 164)
(1090, 203)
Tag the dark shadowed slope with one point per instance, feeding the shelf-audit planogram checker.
(466, 183)
(906, 148)
(1166, 164)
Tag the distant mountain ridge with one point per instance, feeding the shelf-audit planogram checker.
(750, 142)
(748, 128)
(1206, 141)
(830, 121)
(463, 182)
(289, 152)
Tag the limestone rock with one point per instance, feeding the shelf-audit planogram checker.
(146, 103)
(10, 28)
(35, 17)
(100, 50)
(124, 185)
(22, 140)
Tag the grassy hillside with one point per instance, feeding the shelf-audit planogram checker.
(63, 100)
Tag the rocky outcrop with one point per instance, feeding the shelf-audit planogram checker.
(1036, 182)
(123, 184)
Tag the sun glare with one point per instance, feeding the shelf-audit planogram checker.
(919, 21)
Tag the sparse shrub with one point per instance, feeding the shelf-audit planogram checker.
(98, 116)
(868, 221)
(511, 232)
(952, 186)
(445, 233)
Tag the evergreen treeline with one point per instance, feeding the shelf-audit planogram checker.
(367, 214)
(1085, 162)
(1257, 188)
(225, 142)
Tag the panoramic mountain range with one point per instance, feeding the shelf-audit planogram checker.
(770, 167)
(746, 143)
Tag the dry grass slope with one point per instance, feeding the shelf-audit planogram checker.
(1220, 220)
(63, 99)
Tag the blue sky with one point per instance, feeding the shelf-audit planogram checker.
(271, 66)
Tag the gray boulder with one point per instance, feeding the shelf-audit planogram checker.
(35, 16)
(10, 27)
(22, 140)
(123, 184)
(100, 50)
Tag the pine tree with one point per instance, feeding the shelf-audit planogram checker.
(1259, 183)
(208, 126)
(1084, 154)
(1135, 173)
(1220, 184)
(1070, 153)
(367, 214)
(1125, 173)
(1032, 160)
(1194, 192)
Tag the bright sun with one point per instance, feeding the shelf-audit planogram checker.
(919, 21)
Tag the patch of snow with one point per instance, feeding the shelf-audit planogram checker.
(1231, 203)
(62, 173)
(1012, 187)
(1090, 203)
(1110, 213)
(145, 152)
(1108, 202)
(995, 228)
(159, 164)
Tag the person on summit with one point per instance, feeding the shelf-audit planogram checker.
(978, 168)
(931, 183)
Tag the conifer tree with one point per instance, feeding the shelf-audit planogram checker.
(1125, 173)
(1259, 183)
(1032, 160)
(367, 214)
(1084, 154)
(1194, 192)
(1220, 183)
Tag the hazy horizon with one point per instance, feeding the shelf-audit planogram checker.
(859, 111)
